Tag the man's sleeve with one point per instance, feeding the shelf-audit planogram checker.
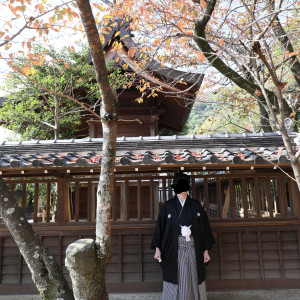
(208, 239)
(159, 230)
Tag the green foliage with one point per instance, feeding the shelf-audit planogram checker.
(36, 113)
(232, 111)
(199, 114)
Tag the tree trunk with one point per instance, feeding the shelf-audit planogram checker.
(264, 119)
(46, 273)
(56, 118)
(109, 118)
(286, 43)
(275, 99)
(224, 69)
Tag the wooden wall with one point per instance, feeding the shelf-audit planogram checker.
(254, 217)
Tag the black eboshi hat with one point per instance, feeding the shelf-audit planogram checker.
(181, 183)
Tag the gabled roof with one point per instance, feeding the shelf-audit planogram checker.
(231, 150)
(121, 28)
(176, 89)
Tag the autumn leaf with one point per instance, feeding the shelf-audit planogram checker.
(38, 62)
(292, 53)
(139, 100)
(13, 10)
(67, 65)
(7, 46)
(1, 34)
(131, 52)
(180, 24)
(28, 70)
(40, 54)
(117, 59)
(102, 39)
(79, 80)
(221, 41)
(203, 3)
(257, 93)
(200, 56)
(282, 85)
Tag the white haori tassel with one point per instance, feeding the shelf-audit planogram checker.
(186, 231)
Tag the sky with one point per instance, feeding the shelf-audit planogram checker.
(66, 37)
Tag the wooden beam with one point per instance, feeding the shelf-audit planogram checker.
(295, 197)
(226, 204)
(221, 256)
(219, 197)
(194, 191)
(114, 199)
(206, 195)
(1, 257)
(270, 199)
(36, 202)
(24, 197)
(232, 198)
(48, 197)
(241, 256)
(139, 197)
(77, 200)
(120, 259)
(282, 196)
(20, 258)
(244, 196)
(141, 257)
(164, 190)
(261, 258)
(89, 201)
(282, 273)
(151, 200)
(257, 198)
(62, 192)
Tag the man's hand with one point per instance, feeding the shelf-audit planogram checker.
(206, 256)
(157, 254)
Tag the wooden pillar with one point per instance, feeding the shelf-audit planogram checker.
(124, 200)
(295, 198)
(1, 256)
(77, 199)
(62, 198)
(92, 129)
(94, 202)
(48, 196)
(155, 199)
(36, 202)
(89, 204)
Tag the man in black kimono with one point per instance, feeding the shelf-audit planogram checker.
(181, 241)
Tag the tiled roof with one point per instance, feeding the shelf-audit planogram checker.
(183, 150)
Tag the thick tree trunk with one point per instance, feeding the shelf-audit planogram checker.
(109, 118)
(224, 69)
(286, 43)
(264, 119)
(46, 273)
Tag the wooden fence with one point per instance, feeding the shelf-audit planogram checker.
(254, 217)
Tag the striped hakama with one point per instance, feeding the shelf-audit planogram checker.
(187, 287)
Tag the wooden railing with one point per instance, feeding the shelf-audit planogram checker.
(139, 198)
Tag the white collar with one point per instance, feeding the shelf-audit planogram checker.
(181, 202)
